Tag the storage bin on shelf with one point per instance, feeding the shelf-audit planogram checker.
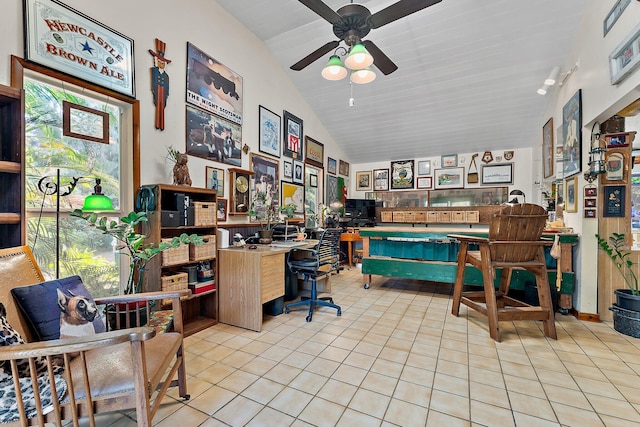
(204, 213)
(174, 282)
(173, 256)
(206, 250)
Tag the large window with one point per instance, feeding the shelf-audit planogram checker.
(82, 251)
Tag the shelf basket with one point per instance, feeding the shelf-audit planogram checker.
(205, 251)
(175, 256)
(174, 282)
(204, 213)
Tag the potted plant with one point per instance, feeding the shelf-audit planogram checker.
(626, 310)
(265, 210)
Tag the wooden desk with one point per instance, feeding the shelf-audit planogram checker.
(351, 238)
(249, 278)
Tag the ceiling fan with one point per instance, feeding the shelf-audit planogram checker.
(353, 22)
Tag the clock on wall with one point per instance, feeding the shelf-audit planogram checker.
(240, 192)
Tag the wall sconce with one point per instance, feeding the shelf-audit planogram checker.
(596, 155)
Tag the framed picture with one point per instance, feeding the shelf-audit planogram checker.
(625, 57)
(381, 179)
(424, 182)
(614, 14)
(313, 180)
(213, 138)
(570, 200)
(402, 174)
(112, 68)
(616, 164)
(590, 203)
(293, 144)
(547, 149)
(571, 126)
(269, 131)
(363, 180)
(212, 86)
(332, 166)
(450, 161)
(448, 178)
(221, 212)
(215, 179)
(590, 213)
(333, 199)
(266, 178)
(590, 191)
(343, 168)
(314, 152)
(617, 140)
(497, 174)
(298, 172)
(424, 167)
(85, 123)
(287, 169)
(292, 194)
(614, 201)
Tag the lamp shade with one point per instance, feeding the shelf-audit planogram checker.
(334, 70)
(363, 76)
(97, 202)
(358, 58)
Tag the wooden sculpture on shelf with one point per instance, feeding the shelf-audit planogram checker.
(181, 170)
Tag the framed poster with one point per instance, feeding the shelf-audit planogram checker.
(266, 178)
(571, 129)
(381, 179)
(625, 58)
(221, 213)
(590, 191)
(424, 167)
(402, 174)
(449, 161)
(343, 168)
(213, 138)
(85, 123)
(497, 174)
(292, 146)
(314, 154)
(212, 86)
(547, 149)
(332, 197)
(448, 178)
(269, 132)
(570, 199)
(614, 201)
(313, 180)
(425, 182)
(292, 194)
(287, 169)
(332, 166)
(616, 164)
(102, 56)
(614, 14)
(298, 172)
(363, 180)
(215, 179)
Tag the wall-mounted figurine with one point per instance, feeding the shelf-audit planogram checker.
(159, 82)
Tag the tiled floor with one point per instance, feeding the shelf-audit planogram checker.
(397, 357)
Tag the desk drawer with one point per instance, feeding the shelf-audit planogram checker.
(271, 277)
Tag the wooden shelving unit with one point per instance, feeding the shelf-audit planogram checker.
(199, 311)
(12, 223)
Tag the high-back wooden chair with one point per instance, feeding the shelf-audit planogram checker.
(514, 242)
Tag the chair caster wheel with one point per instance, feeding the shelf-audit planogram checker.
(564, 311)
(339, 312)
(186, 397)
(286, 311)
(308, 319)
(366, 286)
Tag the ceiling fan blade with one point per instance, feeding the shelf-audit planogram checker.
(315, 55)
(323, 10)
(398, 10)
(380, 60)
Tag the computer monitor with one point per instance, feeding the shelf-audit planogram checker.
(360, 210)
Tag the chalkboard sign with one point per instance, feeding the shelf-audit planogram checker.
(614, 201)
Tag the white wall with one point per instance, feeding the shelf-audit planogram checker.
(209, 27)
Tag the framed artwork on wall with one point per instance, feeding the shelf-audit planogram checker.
(424, 167)
(332, 166)
(266, 177)
(343, 168)
(547, 149)
(625, 58)
(402, 174)
(381, 179)
(215, 179)
(616, 164)
(448, 178)
(298, 172)
(571, 129)
(449, 161)
(314, 152)
(363, 180)
(292, 144)
(287, 169)
(570, 199)
(269, 132)
(424, 182)
(614, 201)
(221, 212)
(213, 138)
(292, 194)
(497, 174)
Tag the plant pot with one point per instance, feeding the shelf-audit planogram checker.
(626, 300)
(111, 315)
(266, 236)
(626, 322)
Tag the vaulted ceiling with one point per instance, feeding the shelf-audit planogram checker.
(468, 71)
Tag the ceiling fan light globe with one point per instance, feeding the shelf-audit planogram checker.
(334, 70)
(358, 58)
(363, 76)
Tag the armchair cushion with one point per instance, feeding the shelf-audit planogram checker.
(59, 308)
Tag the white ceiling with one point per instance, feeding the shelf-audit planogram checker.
(468, 71)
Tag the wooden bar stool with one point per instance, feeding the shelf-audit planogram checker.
(513, 242)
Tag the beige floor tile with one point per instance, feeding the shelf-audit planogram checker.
(572, 416)
(212, 400)
(322, 413)
(524, 386)
(405, 414)
(372, 403)
(237, 412)
(412, 393)
(263, 390)
(338, 392)
(451, 404)
(529, 421)
(349, 374)
(489, 415)
(566, 396)
(291, 401)
(351, 418)
(269, 417)
(308, 382)
(238, 381)
(184, 416)
(487, 394)
(526, 404)
(614, 407)
(380, 383)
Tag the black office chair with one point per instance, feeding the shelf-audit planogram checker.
(318, 262)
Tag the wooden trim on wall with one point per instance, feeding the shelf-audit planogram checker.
(18, 65)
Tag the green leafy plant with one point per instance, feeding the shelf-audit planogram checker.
(132, 243)
(172, 154)
(614, 247)
(264, 209)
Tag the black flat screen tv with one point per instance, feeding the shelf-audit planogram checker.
(362, 209)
